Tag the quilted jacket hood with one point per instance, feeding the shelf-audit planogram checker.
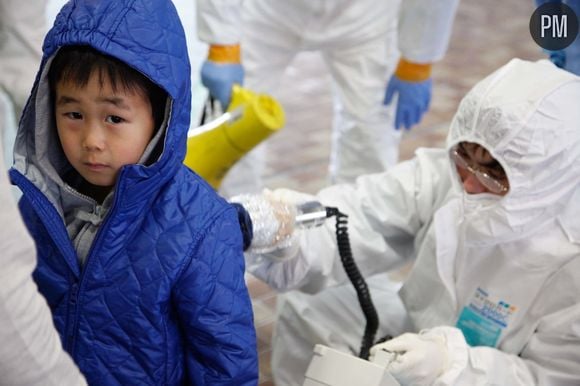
(148, 36)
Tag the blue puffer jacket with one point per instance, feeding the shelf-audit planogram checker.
(161, 299)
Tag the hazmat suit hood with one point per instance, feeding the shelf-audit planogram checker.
(526, 115)
(115, 28)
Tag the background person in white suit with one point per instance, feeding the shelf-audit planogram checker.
(361, 43)
(31, 352)
(22, 29)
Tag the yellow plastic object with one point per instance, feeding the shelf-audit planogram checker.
(250, 119)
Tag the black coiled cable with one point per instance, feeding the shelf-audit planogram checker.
(358, 281)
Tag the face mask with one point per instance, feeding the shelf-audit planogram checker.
(483, 218)
(475, 203)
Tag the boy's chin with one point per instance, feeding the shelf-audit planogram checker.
(99, 183)
(97, 186)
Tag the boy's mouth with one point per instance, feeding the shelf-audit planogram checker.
(95, 166)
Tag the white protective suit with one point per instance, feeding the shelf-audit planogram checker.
(22, 29)
(360, 42)
(516, 257)
(31, 352)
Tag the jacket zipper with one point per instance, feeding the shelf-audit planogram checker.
(76, 288)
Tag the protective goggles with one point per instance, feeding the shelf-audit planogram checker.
(491, 183)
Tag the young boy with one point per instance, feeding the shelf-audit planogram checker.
(140, 261)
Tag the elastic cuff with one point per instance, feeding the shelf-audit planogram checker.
(413, 72)
(224, 54)
(245, 224)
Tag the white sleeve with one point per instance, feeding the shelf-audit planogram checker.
(219, 21)
(30, 350)
(387, 212)
(425, 29)
(22, 30)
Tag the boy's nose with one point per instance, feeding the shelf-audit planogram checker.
(93, 139)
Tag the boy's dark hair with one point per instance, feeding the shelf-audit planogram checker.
(77, 63)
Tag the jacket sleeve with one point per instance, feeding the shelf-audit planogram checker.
(387, 214)
(425, 29)
(214, 309)
(31, 352)
(219, 21)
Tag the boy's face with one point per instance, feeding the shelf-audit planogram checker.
(102, 130)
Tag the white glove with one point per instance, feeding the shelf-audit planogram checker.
(284, 203)
(275, 258)
(272, 223)
(419, 358)
(273, 215)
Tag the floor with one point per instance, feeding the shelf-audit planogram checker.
(486, 35)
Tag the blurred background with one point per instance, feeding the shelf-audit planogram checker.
(486, 35)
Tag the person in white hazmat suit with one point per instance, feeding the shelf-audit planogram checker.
(361, 43)
(31, 353)
(491, 223)
(22, 29)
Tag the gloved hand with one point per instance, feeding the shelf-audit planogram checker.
(283, 268)
(221, 71)
(419, 358)
(272, 222)
(412, 83)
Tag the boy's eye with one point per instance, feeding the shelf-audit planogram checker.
(74, 115)
(114, 119)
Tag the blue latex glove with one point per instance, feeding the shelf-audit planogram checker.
(414, 99)
(219, 79)
(558, 58)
